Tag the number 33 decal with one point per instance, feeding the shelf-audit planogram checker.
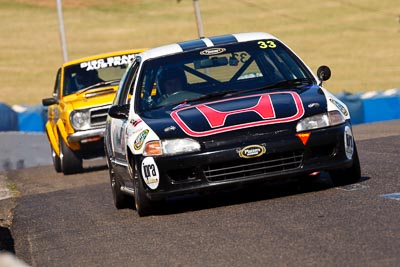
(266, 44)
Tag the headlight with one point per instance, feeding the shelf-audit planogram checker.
(80, 119)
(171, 147)
(330, 118)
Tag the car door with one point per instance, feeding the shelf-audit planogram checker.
(118, 125)
(53, 110)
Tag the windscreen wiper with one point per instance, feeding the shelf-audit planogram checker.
(289, 83)
(278, 85)
(98, 85)
(212, 95)
(203, 97)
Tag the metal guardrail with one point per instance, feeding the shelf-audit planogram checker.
(364, 108)
(373, 106)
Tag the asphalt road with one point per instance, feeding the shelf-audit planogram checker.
(71, 221)
(20, 150)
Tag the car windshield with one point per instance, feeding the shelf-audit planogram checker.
(215, 72)
(95, 73)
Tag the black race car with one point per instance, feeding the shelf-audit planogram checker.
(220, 112)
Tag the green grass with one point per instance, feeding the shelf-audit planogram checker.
(13, 189)
(359, 40)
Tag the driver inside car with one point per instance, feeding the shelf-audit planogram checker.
(171, 81)
(85, 79)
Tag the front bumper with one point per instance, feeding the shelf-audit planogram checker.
(219, 168)
(87, 134)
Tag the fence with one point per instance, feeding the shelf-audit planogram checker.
(364, 108)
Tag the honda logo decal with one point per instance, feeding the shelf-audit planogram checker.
(242, 112)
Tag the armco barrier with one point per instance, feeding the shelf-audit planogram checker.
(382, 107)
(355, 105)
(364, 108)
(31, 118)
(8, 118)
(373, 106)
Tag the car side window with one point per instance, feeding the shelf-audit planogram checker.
(131, 84)
(56, 92)
(124, 91)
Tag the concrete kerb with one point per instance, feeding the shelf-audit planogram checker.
(5, 192)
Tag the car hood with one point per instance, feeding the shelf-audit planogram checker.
(240, 115)
(95, 96)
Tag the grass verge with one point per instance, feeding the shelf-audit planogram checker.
(358, 40)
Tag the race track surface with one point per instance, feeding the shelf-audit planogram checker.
(71, 221)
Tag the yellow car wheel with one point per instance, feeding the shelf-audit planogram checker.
(71, 162)
(56, 160)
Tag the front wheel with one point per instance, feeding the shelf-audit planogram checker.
(350, 175)
(120, 199)
(144, 206)
(56, 160)
(71, 162)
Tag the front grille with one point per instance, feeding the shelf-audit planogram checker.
(98, 116)
(245, 168)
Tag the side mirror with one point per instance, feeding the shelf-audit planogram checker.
(49, 101)
(119, 112)
(324, 73)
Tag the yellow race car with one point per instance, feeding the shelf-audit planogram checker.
(83, 92)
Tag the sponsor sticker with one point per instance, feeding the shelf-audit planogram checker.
(103, 63)
(313, 105)
(139, 141)
(170, 129)
(150, 173)
(348, 142)
(252, 151)
(212, 51)
(135, 122)
(339, 106)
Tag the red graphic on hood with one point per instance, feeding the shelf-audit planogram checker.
(217, 118)
(262, 105)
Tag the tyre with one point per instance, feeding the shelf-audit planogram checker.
(120, 199)
(71, 162)
(350, 175)
(144, 206)
(56, 160)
